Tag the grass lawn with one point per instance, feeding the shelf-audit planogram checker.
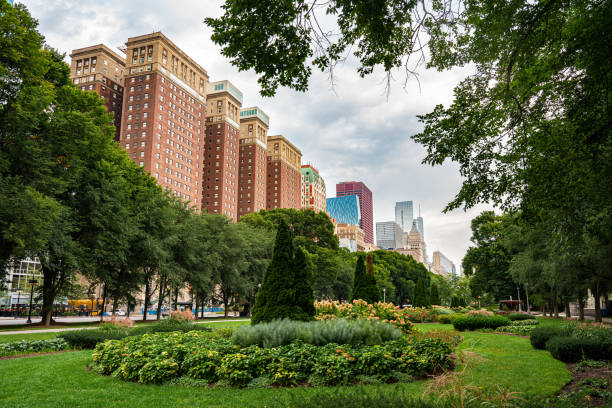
(7, 338)
(62, 380)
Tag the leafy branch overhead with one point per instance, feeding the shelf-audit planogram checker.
(283, 40)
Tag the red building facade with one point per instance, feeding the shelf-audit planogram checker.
(359, 189)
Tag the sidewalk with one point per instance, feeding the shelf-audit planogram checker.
(91, 328)
(590, 318)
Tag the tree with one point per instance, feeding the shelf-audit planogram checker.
(365, 287)
(304, 297)
(435, 296)
(276, 299)
(420, 296)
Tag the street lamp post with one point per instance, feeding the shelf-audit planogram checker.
(18, 290)
(384, 295)
(31, 282)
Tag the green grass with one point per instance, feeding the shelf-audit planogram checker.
(51, 381)
(8, 338)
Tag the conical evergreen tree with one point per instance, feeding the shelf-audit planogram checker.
(359, 279)
(365, 287)
(276, 296)
(304, 295)
(435, 296)
(420, 298)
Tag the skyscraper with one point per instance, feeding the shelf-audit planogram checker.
(283, 189)
(359, 189)
(98, 68)
(313, 189)
(345, 209)
(254, 124)
(220, 185)
(441, 264)
(164, 106)
(389, 235)
(404, 215)
(419, 224)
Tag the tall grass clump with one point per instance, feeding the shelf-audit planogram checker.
(339, 331)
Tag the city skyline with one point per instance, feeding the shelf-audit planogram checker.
(333, 128)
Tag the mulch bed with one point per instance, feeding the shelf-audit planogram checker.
(581, 373)
(34, 354)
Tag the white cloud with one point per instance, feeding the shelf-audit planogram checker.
(354, 133)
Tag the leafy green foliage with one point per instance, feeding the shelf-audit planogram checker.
(572, 349)
(435, 296)
(364, 286)
(448, 319)
(32, 346)
(542, 334)
(319, 333)
(519, 316)
(155, 358)
(420, 297)
(474, 322)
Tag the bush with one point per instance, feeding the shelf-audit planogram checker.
(479, 322)
(518, 330)
(87, 339)
(169, 325)
(157, 358)
(339, 331)
(519, 316)
(448, 319)
(480, 312)
(32, 346)
(541, 335)
(572, 349)
(442, 311)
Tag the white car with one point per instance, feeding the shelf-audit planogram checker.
(120, 312)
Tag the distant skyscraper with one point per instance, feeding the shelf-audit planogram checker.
(345, 209)
(284, 184)
(389, 235)
(441, 264)
(404, 215)
(359, 189)
(419, 224)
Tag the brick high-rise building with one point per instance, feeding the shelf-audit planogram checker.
(98, 68)
(314, 195)
(359, 189)
(164, 107)
(254, 124)
(284, 174)
(221, 153)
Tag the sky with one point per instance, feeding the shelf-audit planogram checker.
(353, 131)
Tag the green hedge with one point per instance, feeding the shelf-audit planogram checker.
(518, 330)
(541, 335)
(524, 323)
(519, 316)
(572, 349)
(87, 339)
(339, 331)
(448, 319)
(158, 358)
(474, 322)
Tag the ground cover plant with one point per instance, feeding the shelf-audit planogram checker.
(32, 346)
(519, 316)
(156, 358)
(319, 333)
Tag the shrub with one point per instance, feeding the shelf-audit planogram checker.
(32, 346)
(571, 349)
(442, 311)
(87, 339)
(339, 331)
(448, 319)
(181, 315)
(479, 322)
(157, 358)
(525, 323)
(519, 316)
(541, 335)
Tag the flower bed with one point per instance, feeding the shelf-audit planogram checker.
(157, 358)
(387, 312)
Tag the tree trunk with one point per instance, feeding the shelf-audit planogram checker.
(518, 292)
(176, 292)
(147, 298)
(581, 308)
(556, 305)
(115, 304)
(162, 289)
(203, 304)
(48, 294)
(194, 299)
(527, 297)
(597, 295)
(225, 304)
(103, 304)
(568, 312)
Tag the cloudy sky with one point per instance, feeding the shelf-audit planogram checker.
(351, 132)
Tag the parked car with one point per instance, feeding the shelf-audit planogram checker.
(120, 312)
